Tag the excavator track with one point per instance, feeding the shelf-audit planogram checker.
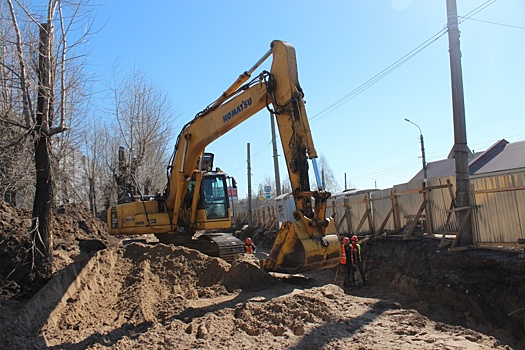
(228, 246)
(219, 245)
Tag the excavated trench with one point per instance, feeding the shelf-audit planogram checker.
(480, 288)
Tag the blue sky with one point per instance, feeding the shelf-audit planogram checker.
(196, 49)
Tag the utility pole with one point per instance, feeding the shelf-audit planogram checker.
(250, 217)
(461, 150)
(425, 166)
(275, 159)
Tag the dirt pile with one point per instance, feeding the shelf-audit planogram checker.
(76, 236)
(146, 297)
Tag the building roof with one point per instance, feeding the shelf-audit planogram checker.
(501, 157)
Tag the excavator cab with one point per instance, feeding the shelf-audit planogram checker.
(213, 205)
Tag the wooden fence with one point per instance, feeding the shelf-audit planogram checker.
(263, 217)
(497, 211)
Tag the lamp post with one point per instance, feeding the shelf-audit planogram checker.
(422, 149)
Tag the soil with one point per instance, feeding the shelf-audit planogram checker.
(109, 293)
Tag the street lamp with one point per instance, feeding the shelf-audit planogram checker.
(422, 150)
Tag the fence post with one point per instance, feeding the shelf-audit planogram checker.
(393, 199)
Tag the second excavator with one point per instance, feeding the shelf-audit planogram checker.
(196, 196)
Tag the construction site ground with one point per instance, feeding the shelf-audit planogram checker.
(107, 293)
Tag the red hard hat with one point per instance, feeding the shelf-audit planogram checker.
(248, 240)
(354, 238)
(346, 240)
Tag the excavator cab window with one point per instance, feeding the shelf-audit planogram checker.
(214, 192)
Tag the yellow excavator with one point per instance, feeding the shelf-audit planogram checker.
(196, 196)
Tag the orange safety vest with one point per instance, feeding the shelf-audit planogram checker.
(342, 261)
(248, 248)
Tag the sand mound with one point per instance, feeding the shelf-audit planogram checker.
(246, 274)
(141, 284)
(76, 236)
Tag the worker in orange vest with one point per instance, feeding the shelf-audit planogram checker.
(342, 261)
(345, 262)
(249, 247)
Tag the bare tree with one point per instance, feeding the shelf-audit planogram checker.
(144, 120)
(93, 166)
(327, 175)
(40, 71)
(15, 148)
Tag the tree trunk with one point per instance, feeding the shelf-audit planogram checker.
(42, 252)
(92, 196)
(121, 177)
(41, 230)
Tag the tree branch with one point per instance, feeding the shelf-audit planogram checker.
(26, 99)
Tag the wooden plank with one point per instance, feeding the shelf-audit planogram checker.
(380, 198)
(395, 214)
(383, 224)
(437, 187)
(369, 210)
(459, 249)
(452, 202)
(417, 190)
(498, 244)
(494, 190)
(465, 220)
(457, 209)
(365, 215)
(338, 226)
(272, 222)
(358, 202)
(414, 223)
(413, 216)
(428, 212)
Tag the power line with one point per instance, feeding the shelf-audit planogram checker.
(479, 8)
(495, 23)
(392, 67)
(378, 76)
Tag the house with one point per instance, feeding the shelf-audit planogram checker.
(502, 157)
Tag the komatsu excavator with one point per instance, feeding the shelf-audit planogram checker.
(196, 197)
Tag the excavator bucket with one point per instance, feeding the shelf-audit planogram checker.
(300, 248)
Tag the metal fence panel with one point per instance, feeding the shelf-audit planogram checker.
(381, 206)
(440, 201)
(499, 210)
(336, 208)
(409, 200)
(348, 211)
